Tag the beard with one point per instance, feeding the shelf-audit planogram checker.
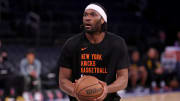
(95, 28)
(90, 31)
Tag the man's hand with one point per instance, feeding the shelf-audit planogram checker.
(33, 74)
(159, 71)
(74, 92)
(103, 96)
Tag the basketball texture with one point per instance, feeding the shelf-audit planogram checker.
(88, 88)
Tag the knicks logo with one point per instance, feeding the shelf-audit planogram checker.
(82, 49)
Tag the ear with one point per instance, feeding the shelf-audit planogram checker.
(102, 20)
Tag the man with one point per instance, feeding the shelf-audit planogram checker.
(95, 52)
(154, 70)
(137, 71)
(31, 69)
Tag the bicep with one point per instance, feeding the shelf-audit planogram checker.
(121, 56)
(122, 73)
(22, 67)
(65, 59)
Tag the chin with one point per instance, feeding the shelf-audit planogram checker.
(89, 31)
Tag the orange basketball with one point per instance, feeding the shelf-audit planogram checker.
(88, 87)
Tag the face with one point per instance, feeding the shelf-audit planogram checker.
(135, 56)
(30, 58)
(92, 21)
(152, 53)
(4, 54)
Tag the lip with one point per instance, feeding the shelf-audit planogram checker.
(88, 25)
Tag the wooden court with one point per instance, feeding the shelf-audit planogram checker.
(156, 97)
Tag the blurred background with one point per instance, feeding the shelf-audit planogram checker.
(33, 31)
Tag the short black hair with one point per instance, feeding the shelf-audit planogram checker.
(30, 51)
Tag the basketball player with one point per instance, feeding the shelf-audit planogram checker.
(95, 52)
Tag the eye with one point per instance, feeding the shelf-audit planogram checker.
(93, 14)
(85, 14)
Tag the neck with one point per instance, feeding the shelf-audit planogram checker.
(96, 37)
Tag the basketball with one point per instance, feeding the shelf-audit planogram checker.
(88, 87)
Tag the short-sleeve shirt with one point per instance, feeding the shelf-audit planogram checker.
(101, 60)
(136, 64)
(151, 64)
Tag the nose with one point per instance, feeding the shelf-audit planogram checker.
(87, 18)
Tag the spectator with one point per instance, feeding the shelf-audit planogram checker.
(6, 73)
(4, 64)
(168, 62)
(31, 69)
(9, 76)
(9, 63)
(154, 70)
(4, 55)
(137, 70)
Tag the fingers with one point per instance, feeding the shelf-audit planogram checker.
(103, 96)
(104, 86)
(103, 83)
(75, 94)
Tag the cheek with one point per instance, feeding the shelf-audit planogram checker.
(97, 22)
(83, 20)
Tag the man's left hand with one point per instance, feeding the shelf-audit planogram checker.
(103, 96)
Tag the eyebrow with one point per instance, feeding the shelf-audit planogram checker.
(91, 12)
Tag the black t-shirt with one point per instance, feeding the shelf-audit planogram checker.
(100, 60)
(151, 64)
(136, 64)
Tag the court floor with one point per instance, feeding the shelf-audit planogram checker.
(156, 97)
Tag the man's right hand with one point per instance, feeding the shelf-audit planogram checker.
(33, 74)
(74, 92)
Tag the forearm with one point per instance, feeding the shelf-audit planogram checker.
(23, 72)
(119, 84)
(67, 86)
(23, 69)
(38, 69)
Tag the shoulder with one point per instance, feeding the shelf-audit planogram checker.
(74, 40)
(37, 61)
(24, 60)
(115, 39)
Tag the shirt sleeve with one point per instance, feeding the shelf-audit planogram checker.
(65, 59)
(121, 55)
(38, 69)
(23, 68)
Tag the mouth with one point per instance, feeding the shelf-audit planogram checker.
(88, 25)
